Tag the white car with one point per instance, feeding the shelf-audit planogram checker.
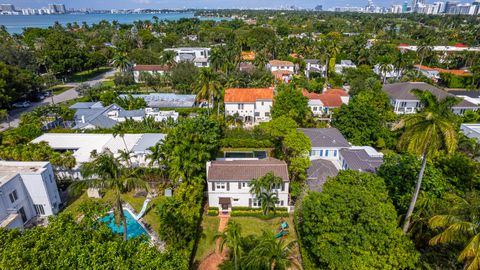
(24, 104)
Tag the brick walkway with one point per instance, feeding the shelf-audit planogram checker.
(216, 258)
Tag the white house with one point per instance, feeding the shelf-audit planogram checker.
(339, 68)
(198, 56)
(434, 73)
(471, 130)
(150, 69)
(405, 102)
(324, 103)
(84, 144)
(282, 70)
(27, 190)
(251, 104)
(314, 66)
(91, 115)
(229, 182)
(391, 73)
(331, 152)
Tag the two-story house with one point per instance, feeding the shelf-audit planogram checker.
(324, 103)
(331, 152)
(314, 66)
(27, 190)
(282, 70)
(198, 56)
(153, 70)
(229, 182)
(405, 102)
(344, 64)
(251, 104)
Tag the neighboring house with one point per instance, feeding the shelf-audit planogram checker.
(471, 130)
(91, 115)
(150, 69)
(84, 144)
(434, 73)
(27, 190)
(251, 104)
(229, 182)
(339, 68)
(331, 152)
(198, 56)
(324, 103)
(314, 66)
(472, 96)
(282, 70)
(405, 102)
(167, 100)
(392, 73)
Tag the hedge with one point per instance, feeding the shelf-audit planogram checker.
(212, 211)
(245, 143)
(257, 212)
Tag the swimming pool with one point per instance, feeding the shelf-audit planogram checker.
(134, 229)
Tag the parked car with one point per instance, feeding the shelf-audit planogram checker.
(47, 93)
(24, 104)
(37, 96)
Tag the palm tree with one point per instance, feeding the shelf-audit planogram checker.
(155, 154)
(119, 130)
(168, 58)
(271, 254)
(461, 223)
(125, 156)
(121, 62)
(268, 201)
(207, 87)
(385, 66)
(232, 238)
(424, 50)
(106, 172)
(427, 132)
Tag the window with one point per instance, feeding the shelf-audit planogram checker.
(263, 103)
(39, 209)
(256, 203)
(320, 153)
(281, 203)
(51, 178)
(240, 106)
(403, 104)
(13, 196)
(326, 153)
(220, 186)
(235, 199)
(315, 109)
(244, 184)
(335, 153)
(267, 114)
(257, 114)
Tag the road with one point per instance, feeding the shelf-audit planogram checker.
(14, 115)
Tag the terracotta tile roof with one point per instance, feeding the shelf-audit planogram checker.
(337, 91)
(246, 170)
(331, 100)
(247, 95)
(151, 68)
(280, 63)
(460, 72)
(248, 56)
(282, 72)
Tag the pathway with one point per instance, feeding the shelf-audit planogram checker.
(14, 115)
(212, 261)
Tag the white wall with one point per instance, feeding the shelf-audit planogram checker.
(241, 196)
(261, 108)
(330, 153)
(43, 190)
(23, 199)
(136, 74)
(275, 68)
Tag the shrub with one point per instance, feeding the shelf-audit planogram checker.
(257, 212)
(213, 211)
(245, 143)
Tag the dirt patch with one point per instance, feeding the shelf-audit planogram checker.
(212, 261)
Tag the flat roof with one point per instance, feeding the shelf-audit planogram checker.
(9, 169)
(167, 100)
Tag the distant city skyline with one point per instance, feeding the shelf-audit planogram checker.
(158, 4)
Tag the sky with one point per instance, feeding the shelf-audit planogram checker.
(130, 4)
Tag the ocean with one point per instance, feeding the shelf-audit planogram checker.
(15, 24)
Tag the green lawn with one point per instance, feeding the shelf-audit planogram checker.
(88, 74)
(150, 217)
(206, 244)
(108, 83)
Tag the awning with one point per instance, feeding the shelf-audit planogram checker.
(224, 200)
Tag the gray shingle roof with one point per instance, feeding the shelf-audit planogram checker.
(82, 105)
(246, 170)
(402, 91)
(325, 137)
(318, 173)
(312, 61)
(167, 100)
(359, 160)
(133, 113)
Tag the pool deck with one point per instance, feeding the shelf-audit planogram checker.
(154, 239)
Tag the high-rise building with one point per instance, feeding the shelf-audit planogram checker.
(451, 7)
(7, 7)
(475, 8)
(405, 7)
(60, 9)
(319, 8)
(417, 4)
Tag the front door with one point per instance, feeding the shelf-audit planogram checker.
(23, 214)
(225, 206)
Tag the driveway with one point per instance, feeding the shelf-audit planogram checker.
(14, 115)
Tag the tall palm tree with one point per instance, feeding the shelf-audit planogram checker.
(106, 172)
(121, 62)
(271, 254)
(385, 66)
(424, 51)
(232, 238)
(168, 58)
(427, 132)
(268, 201)
(207, 87)
(461, 223)
(155, 154)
